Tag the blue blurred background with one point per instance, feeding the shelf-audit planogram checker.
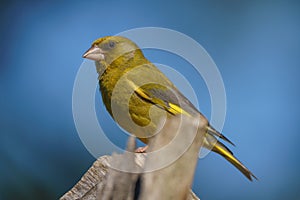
(255, 44)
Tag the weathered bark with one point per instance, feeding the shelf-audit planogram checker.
(164, 172)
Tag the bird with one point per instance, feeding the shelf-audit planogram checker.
(144, 94)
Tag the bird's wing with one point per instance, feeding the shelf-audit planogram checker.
(214, 132)
(172, 101)
(165, 98)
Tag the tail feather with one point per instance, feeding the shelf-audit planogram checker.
(227, 154)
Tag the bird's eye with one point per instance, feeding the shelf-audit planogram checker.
(111, 44)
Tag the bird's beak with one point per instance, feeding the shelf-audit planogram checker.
(94, 53)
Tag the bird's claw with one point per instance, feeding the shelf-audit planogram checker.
(141, 149)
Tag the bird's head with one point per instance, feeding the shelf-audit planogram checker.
(109, 48)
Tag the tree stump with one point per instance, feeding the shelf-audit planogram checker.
(164, 172)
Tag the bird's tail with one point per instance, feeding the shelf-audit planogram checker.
(228, 155)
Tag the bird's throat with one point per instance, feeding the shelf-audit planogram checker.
(110, 74)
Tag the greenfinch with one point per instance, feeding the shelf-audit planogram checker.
(137, 94)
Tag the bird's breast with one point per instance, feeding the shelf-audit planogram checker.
(130, 111)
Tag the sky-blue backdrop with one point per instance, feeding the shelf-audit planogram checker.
(255, 44)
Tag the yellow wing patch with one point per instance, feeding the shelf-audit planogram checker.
(177, 110)
(170, 107)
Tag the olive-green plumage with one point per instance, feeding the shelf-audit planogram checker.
(137, 94)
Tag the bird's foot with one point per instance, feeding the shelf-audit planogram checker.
(141, 149)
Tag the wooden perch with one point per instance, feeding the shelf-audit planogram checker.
(164, 172)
